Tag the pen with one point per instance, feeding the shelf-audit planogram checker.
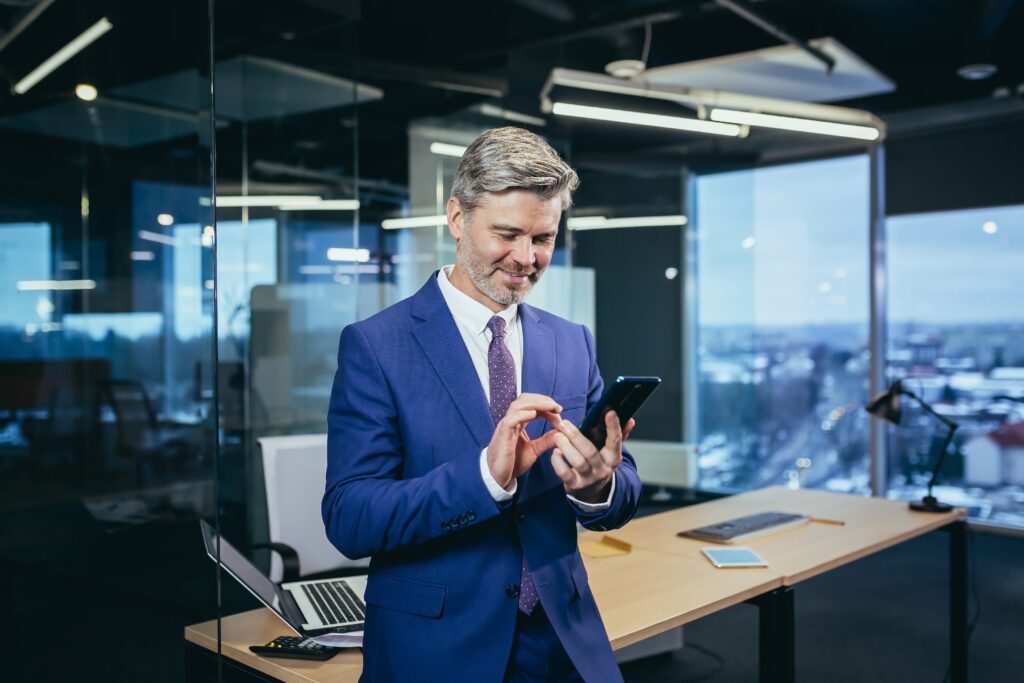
(822, 520)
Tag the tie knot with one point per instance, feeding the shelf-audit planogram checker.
(497, 326)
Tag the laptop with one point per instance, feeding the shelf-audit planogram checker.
(310, 608)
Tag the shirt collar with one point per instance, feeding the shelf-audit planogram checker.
(467, 310)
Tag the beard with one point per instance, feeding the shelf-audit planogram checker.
(480, 274)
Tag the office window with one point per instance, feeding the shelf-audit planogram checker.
(782, 277)
(24, 313)
(956, 335)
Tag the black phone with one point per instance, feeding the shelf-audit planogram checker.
(624, 396)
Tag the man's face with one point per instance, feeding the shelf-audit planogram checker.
(506, 245)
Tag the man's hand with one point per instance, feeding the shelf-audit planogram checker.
(585, 471)
(512, 451)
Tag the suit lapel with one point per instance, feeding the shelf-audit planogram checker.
(538, 361)
(440, 340)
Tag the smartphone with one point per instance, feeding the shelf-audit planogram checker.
(625, 396)
(733, 557)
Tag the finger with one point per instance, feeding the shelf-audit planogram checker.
(545, 442)
(561, 467)
(579, 440)
(572, 455)
(628, 429)
(536, 402)
(611, 454)
(514, 418)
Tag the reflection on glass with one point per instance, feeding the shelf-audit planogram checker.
(956, 333)
(783, 326)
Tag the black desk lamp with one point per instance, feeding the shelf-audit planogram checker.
(887, 407)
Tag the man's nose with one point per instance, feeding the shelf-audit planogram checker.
(524, 252)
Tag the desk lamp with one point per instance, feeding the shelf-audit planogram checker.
(887, 407)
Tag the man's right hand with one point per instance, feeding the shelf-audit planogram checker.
(512, 451)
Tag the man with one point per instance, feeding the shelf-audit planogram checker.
(453, 459)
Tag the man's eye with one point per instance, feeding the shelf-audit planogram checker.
(547, 239)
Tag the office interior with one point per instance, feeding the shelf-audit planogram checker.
(203, 193)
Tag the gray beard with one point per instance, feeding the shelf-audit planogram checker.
(479, 274)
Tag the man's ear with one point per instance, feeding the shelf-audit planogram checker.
(456, 217)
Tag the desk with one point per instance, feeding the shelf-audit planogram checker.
(665, 581)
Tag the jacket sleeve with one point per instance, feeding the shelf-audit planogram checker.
(369, 507)
(627, 481)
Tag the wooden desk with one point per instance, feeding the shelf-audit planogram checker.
(665, 581)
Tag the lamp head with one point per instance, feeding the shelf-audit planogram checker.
(887, 404)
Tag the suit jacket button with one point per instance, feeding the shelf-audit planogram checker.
(471, 515)
(522, 516)
(512, 590)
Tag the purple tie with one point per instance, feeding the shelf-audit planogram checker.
(501, 370)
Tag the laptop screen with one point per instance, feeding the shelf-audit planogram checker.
(241, 568)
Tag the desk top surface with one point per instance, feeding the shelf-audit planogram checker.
(664, 581)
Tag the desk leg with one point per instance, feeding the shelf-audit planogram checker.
(958, 601)
(777, 643)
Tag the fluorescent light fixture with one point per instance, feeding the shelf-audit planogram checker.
(643, 119)
(322, 205)
(237, 201)
(158, 237)
(444, 149)
(165, 219)
(62, 55)
(418, 222)
(86, 92)
(30, 285)
(749, 118)
(316, 270)
(142, 256)
(345, 254)
(601, 222)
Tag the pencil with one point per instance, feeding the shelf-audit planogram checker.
(822, 520)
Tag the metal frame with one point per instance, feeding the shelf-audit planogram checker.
(878, 316)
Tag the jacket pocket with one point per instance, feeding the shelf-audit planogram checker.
(404, 595)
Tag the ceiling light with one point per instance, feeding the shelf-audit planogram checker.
(346, 254)
(86, 92)
(977, 72)
(444, 149)
(643, 119)
(749, 118)
(323, 205)
(509, 115)
(419, 222)
(29, 285)
(671, 273)
(142, 256)
(165, 219)
(601, 222)
(62, 55)
(235, 201)
(158, 237)
(990, 227)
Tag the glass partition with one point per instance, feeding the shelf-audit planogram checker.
(107, 441)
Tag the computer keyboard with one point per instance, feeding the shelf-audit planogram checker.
(335, 602)
(742, 528)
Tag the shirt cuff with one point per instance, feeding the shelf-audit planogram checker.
(499, 494)
(593, 507)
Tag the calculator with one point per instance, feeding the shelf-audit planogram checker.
(294, 647)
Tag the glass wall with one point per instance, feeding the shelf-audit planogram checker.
(782, 332)
(956, 337)
(107, 441)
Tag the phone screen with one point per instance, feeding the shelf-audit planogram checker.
(625, 396)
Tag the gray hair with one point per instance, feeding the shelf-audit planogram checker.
(512, 158)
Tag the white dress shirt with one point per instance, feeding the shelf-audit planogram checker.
(471, 318)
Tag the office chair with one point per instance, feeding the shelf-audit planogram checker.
(294, 469)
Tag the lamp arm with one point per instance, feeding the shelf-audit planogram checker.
(942, 456)
(928, 409)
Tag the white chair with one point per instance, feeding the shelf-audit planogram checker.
(294, 469)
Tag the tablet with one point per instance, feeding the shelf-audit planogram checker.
(734, 557)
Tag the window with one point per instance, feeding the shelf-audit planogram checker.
(782, 282)
(956, 336)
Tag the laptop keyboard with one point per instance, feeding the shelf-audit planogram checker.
(335, 602)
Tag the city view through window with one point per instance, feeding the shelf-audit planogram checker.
(782, 268)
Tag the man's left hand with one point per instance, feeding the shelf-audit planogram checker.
(585, 471)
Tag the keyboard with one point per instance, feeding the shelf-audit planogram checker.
(335, 602)
(742, 528)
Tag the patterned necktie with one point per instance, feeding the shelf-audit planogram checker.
(501, 370)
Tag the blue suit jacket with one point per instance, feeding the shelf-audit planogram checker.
(407, 422)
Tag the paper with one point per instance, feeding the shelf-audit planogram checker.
(351, 639)
(604, 547)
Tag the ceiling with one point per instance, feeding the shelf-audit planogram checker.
(436, 59)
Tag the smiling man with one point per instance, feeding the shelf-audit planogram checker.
(453, 456)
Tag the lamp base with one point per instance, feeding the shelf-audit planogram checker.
(930, 504)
